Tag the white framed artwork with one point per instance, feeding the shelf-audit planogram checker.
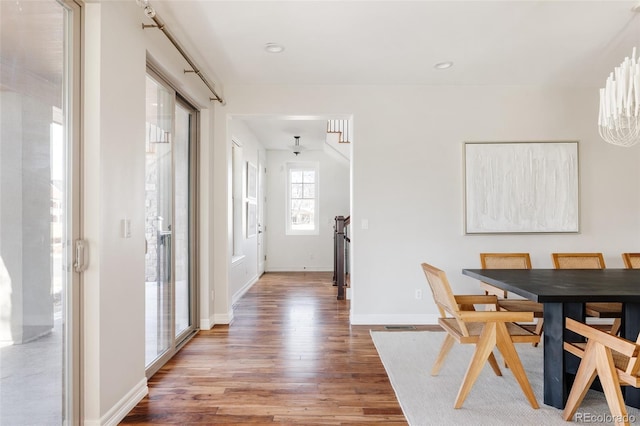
(521, 187)
(252, 181)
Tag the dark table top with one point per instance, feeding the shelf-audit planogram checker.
(565, 285)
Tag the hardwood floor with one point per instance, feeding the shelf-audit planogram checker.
(289, 356)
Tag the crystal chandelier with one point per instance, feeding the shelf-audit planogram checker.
(619, 119)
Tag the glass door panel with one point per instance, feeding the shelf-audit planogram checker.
(159, 220)
(182, 223)
(37, 358)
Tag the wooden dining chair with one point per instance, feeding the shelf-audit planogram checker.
(591, 261)
(502, 261)
(613, 359)
(578, 260)
(511, 261)
(631, 260)
(484, 329)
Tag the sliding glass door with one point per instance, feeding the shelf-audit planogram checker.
(169, 200)
(39, 205)
(159, 219)
(184, 120)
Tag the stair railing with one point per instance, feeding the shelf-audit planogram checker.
(342, 128)
(341, 243)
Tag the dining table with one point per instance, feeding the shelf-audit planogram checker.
(563, 293)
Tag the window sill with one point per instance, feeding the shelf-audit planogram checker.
(301, 233)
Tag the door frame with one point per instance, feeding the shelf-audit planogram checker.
(177, 342)
(73, 362)
(261, 215)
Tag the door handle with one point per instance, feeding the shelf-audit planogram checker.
(165, 241)
(81, 254)
(167, 254)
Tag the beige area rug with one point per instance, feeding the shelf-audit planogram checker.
(428, 400)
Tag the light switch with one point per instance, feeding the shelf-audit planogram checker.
(365, 223)
(126, 228)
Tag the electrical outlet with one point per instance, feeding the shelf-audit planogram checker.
(418, 294)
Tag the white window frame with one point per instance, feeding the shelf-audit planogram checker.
(316, 213)
(237, 197)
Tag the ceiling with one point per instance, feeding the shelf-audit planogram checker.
(279, 132)
(550, 43)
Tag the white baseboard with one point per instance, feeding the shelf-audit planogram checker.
(223, 318)
(400, 319)
(244, 289)
(206, 323)
(299, 269)
(122, 407)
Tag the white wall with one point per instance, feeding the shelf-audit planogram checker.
(304, 252)
(243, 272)
(407, 180)
(113, 188)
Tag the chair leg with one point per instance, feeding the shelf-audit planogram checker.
(494, 364)
(505, 345)
(484, 348)
(538, 330)
(615, 328)
(444, 350)
(610, 384)
(584, 378)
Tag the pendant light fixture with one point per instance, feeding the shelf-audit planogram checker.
(296, 148)
(619, 118)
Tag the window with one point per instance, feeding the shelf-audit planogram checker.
(236, 198)
(302, 200)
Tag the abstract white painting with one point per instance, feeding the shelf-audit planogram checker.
(521, 187)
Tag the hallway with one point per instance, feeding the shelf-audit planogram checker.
(289, 356)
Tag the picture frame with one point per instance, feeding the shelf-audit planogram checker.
(521, 187)
(252, 181)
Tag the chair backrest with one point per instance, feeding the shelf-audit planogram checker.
(631, 260)
(442, 293)
(502, 261)
(578, 260)
(505, 260)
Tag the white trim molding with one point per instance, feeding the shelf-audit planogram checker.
(301, 269)
(206, 323)
(244, 289)
(120, 410)
(223, 318)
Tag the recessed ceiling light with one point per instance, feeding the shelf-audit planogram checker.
(273, 47)
(443, 65)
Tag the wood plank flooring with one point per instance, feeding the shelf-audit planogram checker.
(289, 356)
